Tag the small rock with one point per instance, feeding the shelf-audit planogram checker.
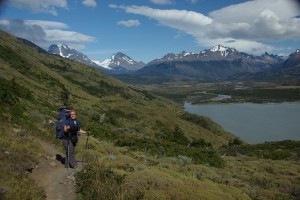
(17, 130)
(52, 164)
(47, 157)
(2, 191)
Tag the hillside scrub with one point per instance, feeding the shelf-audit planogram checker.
(170, 143)
(19, 155)
(282, 150)
(147, 147)
(140, 178)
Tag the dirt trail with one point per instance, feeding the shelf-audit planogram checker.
(57, 181)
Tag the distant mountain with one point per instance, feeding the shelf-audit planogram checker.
(293, 60)
(287, 72)
(120, 63)
(66, 52)
(217, 53)
(217, 63)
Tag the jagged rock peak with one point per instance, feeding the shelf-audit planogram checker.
(223, 50)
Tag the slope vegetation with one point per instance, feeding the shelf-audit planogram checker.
(147, 147)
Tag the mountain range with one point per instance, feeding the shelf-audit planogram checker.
(118, 63)
(215, 64)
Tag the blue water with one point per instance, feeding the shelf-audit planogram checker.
(254, 123)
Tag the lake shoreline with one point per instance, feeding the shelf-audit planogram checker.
(254, 122)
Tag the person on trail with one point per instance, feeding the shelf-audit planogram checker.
(70, 138)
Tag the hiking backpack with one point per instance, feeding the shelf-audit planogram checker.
(63, 114)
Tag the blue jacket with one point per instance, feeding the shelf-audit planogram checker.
(74, 128)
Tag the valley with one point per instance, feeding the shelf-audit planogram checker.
(255, 92)
(148, 146)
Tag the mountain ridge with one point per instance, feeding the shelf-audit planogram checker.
(215, 64)
(118, 63)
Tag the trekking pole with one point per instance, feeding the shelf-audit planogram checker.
(68, 152)
(87, 139)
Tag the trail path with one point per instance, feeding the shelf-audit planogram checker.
(57, 181)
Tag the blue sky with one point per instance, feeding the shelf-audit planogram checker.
(148, 29)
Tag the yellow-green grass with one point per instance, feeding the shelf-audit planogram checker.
(19, 154)
(166, 177)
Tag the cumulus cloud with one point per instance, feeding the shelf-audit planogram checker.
(45, 6)
(179, 19)
(33, 33)
(57, 36)
(129, 23)
(89, 3)
(261, 19)
(248, 25)
(45, 33)
(162, 2)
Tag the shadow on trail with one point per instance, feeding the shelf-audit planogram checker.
(60, 158)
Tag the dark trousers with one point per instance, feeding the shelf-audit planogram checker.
(70, 160)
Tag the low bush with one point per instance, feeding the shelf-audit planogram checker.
(96, 181)
(203, 122)
(166, 143)
(11, 91)
(281, 150)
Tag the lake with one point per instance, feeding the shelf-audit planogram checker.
(254, 123)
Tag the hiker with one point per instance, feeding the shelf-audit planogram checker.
(70, 138)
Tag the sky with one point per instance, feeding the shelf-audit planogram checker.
(148, 29)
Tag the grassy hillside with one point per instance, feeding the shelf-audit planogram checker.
(147, 147)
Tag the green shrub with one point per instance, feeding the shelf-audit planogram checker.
(11, 91)
(281, 150)
(200, 143)
(96, 181)
(203, 122)
(235, 141)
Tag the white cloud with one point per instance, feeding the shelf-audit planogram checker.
(249, 25)
(162, 2)
(45, 33)
(90, 3)
(192, 1)
(180, 19)
(129, 23)
(45, 6)
(56, 35)
(33, 33)
(262, 20)
(46, 24)
(249, 10)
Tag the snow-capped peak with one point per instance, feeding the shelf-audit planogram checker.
(105, 63)
(120, 61)
(65, 51)
(218, 48)
(223, 50)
